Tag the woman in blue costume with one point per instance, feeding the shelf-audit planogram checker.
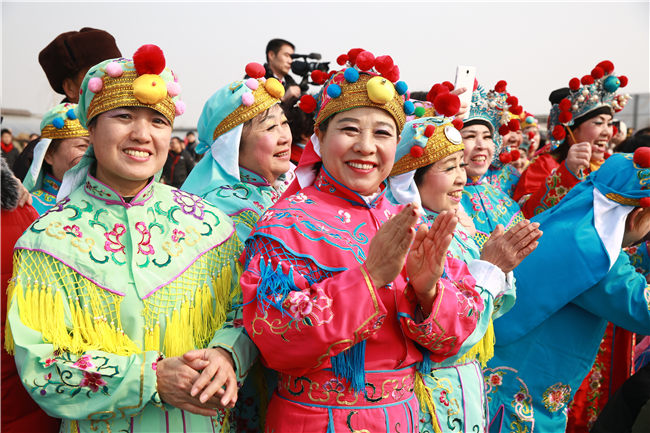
(486, 204)
(436, 177)
(568, 289)
(249, 141)
(62, 144)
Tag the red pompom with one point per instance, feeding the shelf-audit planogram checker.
(559, 133)
(531, 135)
(623, 80)
(597, 72)
(416, 151)
(352, 55)
(500, 86)
(606, 66)
(574, 84)
(448, 85)
(392, 75)
(446, 104)
(255, 70)
(513, 125)
(384, 64)
(642, 157)
(436, 89)
(565, 116)
(512, 101)
(516, 110)
(644, 202)
(318, 77)
(587, 79)
(458, 123)
(307, 103)
(505, 157)
(342, 59)
(149, 59)
(365, 60)
(504, 130)
(515, 154)
(475, 84)
(565, 105)
(429, 130)
(616, 110)
(614, 130)
(330, 73)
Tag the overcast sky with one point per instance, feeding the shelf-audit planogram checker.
(535, 47)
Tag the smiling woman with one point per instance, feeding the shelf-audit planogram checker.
(128, 281)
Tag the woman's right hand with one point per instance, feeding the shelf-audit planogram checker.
(388, 249)
(578, 157)
(507, 250)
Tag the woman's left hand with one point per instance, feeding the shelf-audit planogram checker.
(425, 262)
(217, 374)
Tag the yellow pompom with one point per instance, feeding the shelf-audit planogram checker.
(149, 89)
(274, 88)
(380, 90)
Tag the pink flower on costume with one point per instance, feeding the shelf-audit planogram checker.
(496, 379)
(444, 398)
(519, 397)
(177, 235)
(144, 246)
(344, 216)
(73, 230)
(84, 363)
(92, 381)
(113, 243)
(49, 361)
(300, 304)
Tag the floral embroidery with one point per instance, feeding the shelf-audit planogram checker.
(343, 216)
(495, 380)
(72, 230)
(300, 304)
(54, 230)
(387, 214)
(300, 198)
(190, 204)
(49, 362)
(92, 381)
(444, 398)
(646, 295)
(178, 235)
(84, 363)
(259, 205)
(556, 396)
(268, 215)
(334, 385)
(113, 243)
(144, 246)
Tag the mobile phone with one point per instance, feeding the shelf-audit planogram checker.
(465, 76)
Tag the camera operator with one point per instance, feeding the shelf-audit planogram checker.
(278, 65)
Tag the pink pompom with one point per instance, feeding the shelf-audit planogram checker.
(95, 84)
(247, 99)
(173, 89)
(252, 83)
(180, 107)
(114, 69)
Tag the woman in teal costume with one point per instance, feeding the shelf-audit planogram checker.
(568, 289)
(455, 386)
(120, 292)
(485, 204)
(62, 144)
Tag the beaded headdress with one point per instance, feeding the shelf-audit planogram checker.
(425, 141)
(585, 95)
(141, 82)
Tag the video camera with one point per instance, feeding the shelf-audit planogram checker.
(304, 67)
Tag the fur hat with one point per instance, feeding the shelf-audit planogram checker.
(74, 51)
(9, 194)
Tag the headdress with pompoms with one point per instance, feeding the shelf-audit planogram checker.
(143, 81)
(585, 95)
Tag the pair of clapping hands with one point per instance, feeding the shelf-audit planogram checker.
(424, 250)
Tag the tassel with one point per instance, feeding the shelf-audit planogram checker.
(423, 394)
(350, 365)
(424, 366)
(274, 286)
(482, 351)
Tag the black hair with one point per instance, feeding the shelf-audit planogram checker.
(176, 137)
(5, 130)
(419, 174)
(275, 45)
(300, 123)
(188, 133)
(633, 143)
(418, 95)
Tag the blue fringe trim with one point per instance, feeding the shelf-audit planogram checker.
(424, 366)
(350, 365)
(274, 286)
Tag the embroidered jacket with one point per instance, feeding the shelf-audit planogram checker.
(345, 350)
(505, 178)
(45, 198)
(102, 286)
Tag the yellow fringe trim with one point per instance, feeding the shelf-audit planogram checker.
(482, 351)
(425, 398)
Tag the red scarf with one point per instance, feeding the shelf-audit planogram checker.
(6, 148)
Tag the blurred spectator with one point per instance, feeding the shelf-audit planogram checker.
(19, 411)
(634, 142)
(9, 151)
(178, 165)
(65, 62)
(33, 136)
(278, 65)
(190, 146)
(620, 135)
(301, 125)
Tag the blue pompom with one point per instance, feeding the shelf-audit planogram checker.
(409, 107)
(71, 114)
(530, 119)
(611, 84)
(58, 123)
(334, 90)
(351, 75)
(401, 87)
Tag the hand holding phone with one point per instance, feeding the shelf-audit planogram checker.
(465, 76)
